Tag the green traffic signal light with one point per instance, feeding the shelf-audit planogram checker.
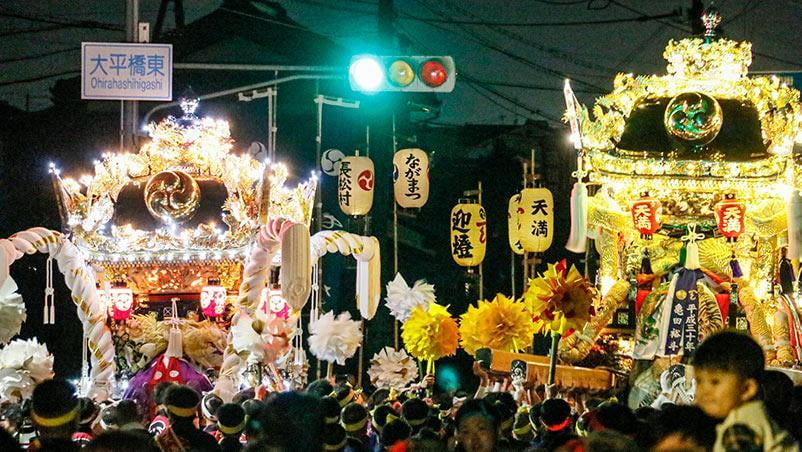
(367, 73)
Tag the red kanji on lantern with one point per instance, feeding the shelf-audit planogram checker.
(646, 215)
(730, 217)
(213, 298)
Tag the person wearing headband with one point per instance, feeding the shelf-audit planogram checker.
(555, 416)
(344, 394)
(331, 410)
(55, 412)
(477, 426)
(380, 416)
(522, 431)
(415, 411)
(209, 405)
(335, 438)
(231, 424)
(395, 431)
(355, 421)
(182, 409)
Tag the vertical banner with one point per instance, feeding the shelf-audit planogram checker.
(468, 234)
(411, 178)
(355, 187)
(537, 219)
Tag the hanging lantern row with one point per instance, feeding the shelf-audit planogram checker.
(530, 220)
(411, 178)
(730, 217)
(119, 300)
(647, 213)
(468, 234)
(213, 299)
(355, 185)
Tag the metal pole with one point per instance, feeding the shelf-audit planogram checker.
(319, 195)
(525, 260)
(395, 240)
(512, 273)
(131, 108)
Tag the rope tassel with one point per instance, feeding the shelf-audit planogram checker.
(49, 310)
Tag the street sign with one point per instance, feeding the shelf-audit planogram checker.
(126, 71)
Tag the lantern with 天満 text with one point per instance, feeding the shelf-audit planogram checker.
(273, 303)
(514, 211)
(120, 300)
(355, 185)
(411, 178)
(646, 215)
(536, 219)
(730, 217)
(468, 234)
(213, 299)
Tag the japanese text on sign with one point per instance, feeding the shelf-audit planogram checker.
(126, 71)
(345, 183)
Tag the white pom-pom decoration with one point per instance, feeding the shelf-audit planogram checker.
(23, 364)
(12, 311)
(334, 339)
(392, 368)
(402, 299)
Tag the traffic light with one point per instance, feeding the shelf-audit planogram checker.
(371, 73)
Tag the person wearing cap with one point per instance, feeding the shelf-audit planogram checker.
(230, 424)
(182, 409)
(209, 405)
(55, 412)
(354, 419)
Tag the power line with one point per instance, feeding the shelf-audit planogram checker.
(38, 78)
(505, 84)
(39, 55)
(642, 18)
(72, 24)
(22, 31)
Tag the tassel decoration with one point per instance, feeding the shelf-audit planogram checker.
(691, 248)
(786, 276)
(735, 267)
(50, 304)
(794, 221)
(646, 264)
(577, 240)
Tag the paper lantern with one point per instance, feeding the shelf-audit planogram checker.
(213, 298)
(730, 217)
(296, 266)
(272, 302)
(536, 220)
(647, 215)
(468, 234)
(355, 187)
(120, 300)
(411, 177)
(514, 210)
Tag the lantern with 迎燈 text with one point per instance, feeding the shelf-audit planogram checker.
(213, 299)
(411, 178)
(647, 215)
(355, 185)
(536, 219)
(468, 234)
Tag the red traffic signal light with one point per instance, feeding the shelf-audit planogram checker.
(370, 73)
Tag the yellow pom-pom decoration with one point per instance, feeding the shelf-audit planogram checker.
(501, 324)
(430, 333)
(559, 300)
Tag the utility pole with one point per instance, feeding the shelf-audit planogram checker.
(129, 109)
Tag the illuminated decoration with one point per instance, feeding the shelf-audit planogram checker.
(704, 130)
(537, 220)
(273, 303)
(355, 187)
(514, 211)
(120, 300)
(213, 299)
(163, 175)
(731, 217)
(411, 178)
(468, 234)
(646, 215)
(693, 118)
(172, 196)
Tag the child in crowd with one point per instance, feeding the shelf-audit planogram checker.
(729, 369)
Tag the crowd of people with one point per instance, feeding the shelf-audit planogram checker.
(739, 405)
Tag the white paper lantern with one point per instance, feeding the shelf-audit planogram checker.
(537, 219)
(411, 178)
(468, 234)
(355, 187)
(213, 298)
